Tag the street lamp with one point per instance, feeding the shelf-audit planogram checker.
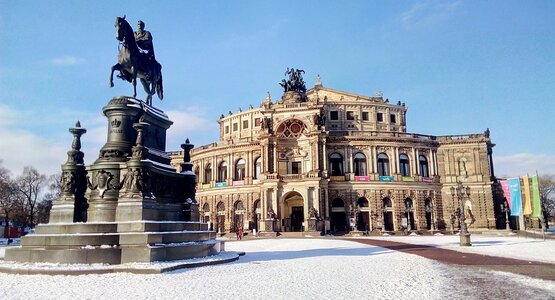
(460, 192)
(505, 209)
(429, 208)
(408, 209)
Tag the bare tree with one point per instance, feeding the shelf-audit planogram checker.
(10, 206)
(54, 191)
(547, 195)
(29, 186)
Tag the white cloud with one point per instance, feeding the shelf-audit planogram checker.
(524, 163)
(428, 12)
(20, 148)
(66, 61)
(187, 124)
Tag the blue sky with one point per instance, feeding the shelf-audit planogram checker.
(460, 66)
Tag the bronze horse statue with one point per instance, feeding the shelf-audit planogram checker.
(133, 63)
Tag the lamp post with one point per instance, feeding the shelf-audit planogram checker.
(505, 209)
(460, 192)
(430, 208)
(383, 218)
(408, 209)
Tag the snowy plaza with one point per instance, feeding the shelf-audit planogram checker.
(311, 268)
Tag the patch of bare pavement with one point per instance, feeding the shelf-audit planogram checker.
(530, 268)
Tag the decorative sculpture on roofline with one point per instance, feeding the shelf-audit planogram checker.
(295, 83)
(294, 87)
(136, 59)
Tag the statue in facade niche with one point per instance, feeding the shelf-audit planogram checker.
(312, 213)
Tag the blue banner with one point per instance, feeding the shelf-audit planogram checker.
(387, 178)
(516, 196)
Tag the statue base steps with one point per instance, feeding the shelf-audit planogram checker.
(116, 243)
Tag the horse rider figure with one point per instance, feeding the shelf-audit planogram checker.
(144, 42)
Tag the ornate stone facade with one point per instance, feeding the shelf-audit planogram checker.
(345, 160)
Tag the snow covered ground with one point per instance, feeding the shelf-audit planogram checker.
(291, 269)
(535, 249)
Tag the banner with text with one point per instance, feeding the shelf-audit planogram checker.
(516, 196)
(506, 192)
(536, 206)
(527, 201)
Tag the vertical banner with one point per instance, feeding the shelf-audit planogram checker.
(537, 207)
(506, 192)
(516, 196)
(527, 202)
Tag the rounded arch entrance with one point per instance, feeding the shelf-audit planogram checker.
(363, 215)
(206, 213)
(338, 218)
(293, 211)
(238, 214)
(409, 214)
(387, 210)
(220, 217)
(256, 214)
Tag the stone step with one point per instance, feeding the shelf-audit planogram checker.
(115, 255)
(165, 237)
(112, 227)
(65, 256)
(76, 228)
(171, 251)
(69, 240)
(160, 226)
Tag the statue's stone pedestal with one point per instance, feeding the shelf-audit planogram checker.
(356, 233)
(268, 228)
(293, 97)
(139, 208)
(465, 239)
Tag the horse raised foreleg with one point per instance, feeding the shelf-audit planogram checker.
(115, 67)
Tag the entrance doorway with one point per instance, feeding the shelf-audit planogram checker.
(297, 218)
(387, 215)
(363, 215)
(338, 216)
(293, 212)
(428, 210)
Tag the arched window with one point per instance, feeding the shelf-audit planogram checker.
(423, 166)
(220, 217)
(208, 173)
(221, 207)
(290, 128)
(206, 208)
(257, 167)
(239, 206)
(197, 174)
(383, 164)
(222, 171)
(362, 202)
(336, 164)
(404, 165)
(360, 164)
(337, 202)
(387, 203)
(240, 169)
(408, 204)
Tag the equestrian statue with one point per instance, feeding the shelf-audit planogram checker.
(136, 59)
